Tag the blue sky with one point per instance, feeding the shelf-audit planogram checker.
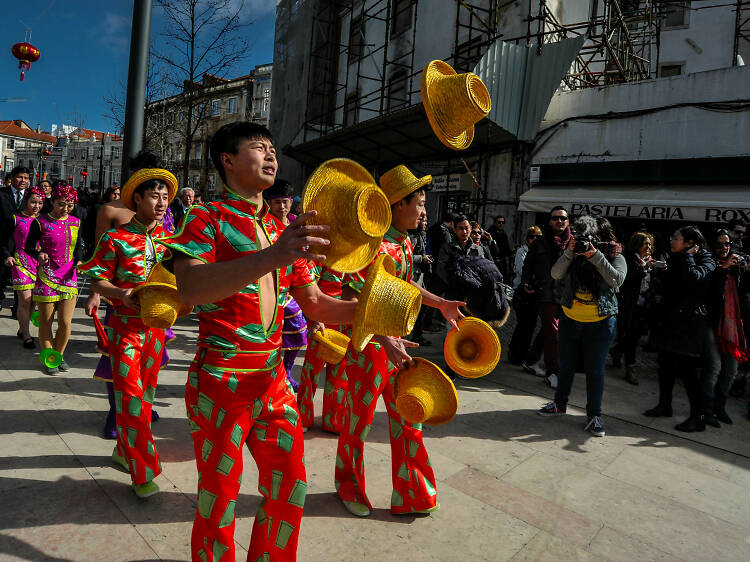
(84, 48)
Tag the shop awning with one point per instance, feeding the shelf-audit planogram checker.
(691, 203)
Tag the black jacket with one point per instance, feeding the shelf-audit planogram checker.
(542, 255)
(682, 310)
(481, 284)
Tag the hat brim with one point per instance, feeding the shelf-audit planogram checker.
(383, 264)
(426, 374)
(431, 74)
(143, 175)
(363, 247)
(149, 284)
(486, 341)
(410, 188)
(333, 341)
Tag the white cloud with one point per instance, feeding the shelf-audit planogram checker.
(254, 9)
(115, 31)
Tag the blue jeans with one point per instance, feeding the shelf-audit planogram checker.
(718, 372)
(593, 340)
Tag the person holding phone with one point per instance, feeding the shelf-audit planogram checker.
(682, 333)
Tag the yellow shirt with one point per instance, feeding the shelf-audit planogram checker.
(585, 308)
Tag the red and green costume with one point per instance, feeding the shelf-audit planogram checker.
(335, 388)
(121, 257)
(370, 375)
(237, 390)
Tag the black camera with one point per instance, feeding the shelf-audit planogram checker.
(584, 243)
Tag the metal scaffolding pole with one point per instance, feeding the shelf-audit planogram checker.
(136, 96)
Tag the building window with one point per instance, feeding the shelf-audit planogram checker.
(170, 118)
(398, 96)
(676, 14)
(667, 70)
(356, 38)
(216, 107)
(11, 144)
(197, 152)
(116, 151)
(183, 115)
(351, 106)
(211, 183)
(401, 16)
(232, 105)
(196, 182)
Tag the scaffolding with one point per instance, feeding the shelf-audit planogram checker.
(742, 32)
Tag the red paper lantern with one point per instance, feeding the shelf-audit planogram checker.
(47, 152)
(26, 53)
(70, 178)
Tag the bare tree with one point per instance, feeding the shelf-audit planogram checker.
(200, 37)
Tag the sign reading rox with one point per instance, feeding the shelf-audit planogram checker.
(675, 213)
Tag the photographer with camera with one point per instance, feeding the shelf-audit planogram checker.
(728, 306)
(682, 334)
(590, 272)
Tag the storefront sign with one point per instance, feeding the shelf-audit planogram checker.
(659, 212)
(445, 183)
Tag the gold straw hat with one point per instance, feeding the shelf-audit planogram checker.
(143, 175)
(454, 103)
(473, 350)
(399, 182)
(333, 344)
(387, 305)
(425, 394)
(160, 302)
(349, 201)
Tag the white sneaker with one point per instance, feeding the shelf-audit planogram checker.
(536, 369)
(551, 381)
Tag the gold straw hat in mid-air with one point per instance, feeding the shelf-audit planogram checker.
(425, 394)
(454, 103)
(332, 345)
(160, 302)
(143, 175)
(399, 182)
(349, 201)
(388, 306)
(473, 350)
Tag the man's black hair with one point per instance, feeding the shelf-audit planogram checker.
(144, 159)
(458, 219)
(228, 138)
(411, 196)
(499, 217)
(735, 222)
(280, 188)
(19, 170)
(448, 216)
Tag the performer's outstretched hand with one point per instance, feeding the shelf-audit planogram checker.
(452, 311)
(395, 350)
(294, 242)
(92, 304)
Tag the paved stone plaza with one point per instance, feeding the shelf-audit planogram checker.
(512, 485)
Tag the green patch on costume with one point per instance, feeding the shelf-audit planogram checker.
(134, 406)
(149, 394)
(395, 427)
(276, 478)
(157, 346)
(236, 436)
(123, 369)
(403, 472)
(193, 379)
(377, 380)
(225, 465)
(260, 433)
(128, 351)
(397, 499)
(284, 441)
(257, 407)
(367, 398)
(430, 487)
(413, 448)
(206, 502)
(282, 536)
(118, 401)
(339, 463)
(149, 362)
(364, 433)
(232, 382)
(353, 422)
(357, 386)
(205, 405)
(297, 496)
(220, 417)
(291, 415)
(228, 518)
(219, 549)
(149, 474)
(150, 448)
(132, 436)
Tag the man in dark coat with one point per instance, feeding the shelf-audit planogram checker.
(502, 253)
(536, 280)
(11, 197)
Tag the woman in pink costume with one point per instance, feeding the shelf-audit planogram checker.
(23, 265)
(60, 250)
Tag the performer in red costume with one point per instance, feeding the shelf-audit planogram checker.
(372, 373)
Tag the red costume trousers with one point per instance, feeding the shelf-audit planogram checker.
(228, 407)
(370, 374)
(333, 392)
(135, 351)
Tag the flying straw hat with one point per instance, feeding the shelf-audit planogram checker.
(333, 344)
(425, 394)
(454, 103)
(473, 350)
(160, 302)
(387, 306)
(399, 182)
(143, 175)
(349, 201)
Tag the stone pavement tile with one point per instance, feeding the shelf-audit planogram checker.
(545, 546)
(713, 496)
(676, 528)
(617, 547)
(66, 519)
(741, 472)
(532, 509)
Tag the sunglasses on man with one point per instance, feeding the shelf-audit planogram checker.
(561, 218)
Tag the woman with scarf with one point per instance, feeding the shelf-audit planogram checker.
(590, 272)
(727, 306)
(683, 335)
